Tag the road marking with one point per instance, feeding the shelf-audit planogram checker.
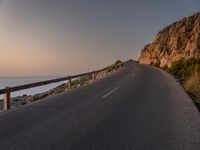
(109, 93)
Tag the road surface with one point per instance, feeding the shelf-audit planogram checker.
(136, 108)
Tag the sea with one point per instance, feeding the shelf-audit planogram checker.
(16, 81)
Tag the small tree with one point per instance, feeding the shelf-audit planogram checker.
(118, 62)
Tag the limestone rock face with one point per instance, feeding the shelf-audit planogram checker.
(178, 40)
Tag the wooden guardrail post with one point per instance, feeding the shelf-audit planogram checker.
(69, 84)
(6, 103)
(93, 76)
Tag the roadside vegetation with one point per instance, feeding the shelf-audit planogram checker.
(188, 72)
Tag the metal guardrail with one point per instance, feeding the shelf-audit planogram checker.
(6, 91)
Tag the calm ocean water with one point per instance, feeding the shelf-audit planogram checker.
(15, 81)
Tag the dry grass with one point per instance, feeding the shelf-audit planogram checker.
(192, 86)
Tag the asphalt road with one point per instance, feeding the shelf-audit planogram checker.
(136, 108)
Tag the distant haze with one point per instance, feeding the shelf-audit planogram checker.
(59, 37)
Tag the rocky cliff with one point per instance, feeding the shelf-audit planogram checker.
(178, 40)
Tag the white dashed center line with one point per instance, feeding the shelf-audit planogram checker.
(109, 93)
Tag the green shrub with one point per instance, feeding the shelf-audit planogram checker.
(157, 64)
(184, 69)
(189, 72)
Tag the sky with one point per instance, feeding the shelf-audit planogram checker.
(65, 37)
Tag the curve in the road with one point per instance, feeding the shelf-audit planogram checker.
(136, 108)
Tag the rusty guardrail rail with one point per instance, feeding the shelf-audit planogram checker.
(6, 91)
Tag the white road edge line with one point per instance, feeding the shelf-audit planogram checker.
(109, 93)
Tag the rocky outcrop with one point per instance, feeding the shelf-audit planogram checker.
(178, 40)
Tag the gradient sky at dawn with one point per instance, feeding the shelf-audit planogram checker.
(61, 37)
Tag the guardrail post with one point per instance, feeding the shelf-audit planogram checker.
(93, 77)
(6, 104)
(69, 84)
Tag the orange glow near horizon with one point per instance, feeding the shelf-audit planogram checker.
(34, 61)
